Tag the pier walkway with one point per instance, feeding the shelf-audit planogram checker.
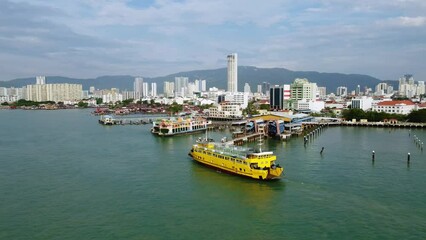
(368, 124)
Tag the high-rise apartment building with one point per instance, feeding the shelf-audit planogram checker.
(322, 92)
(153, 89)
(145, 91)
(301, 88)
(342, 91)
(381, 89)
(265, 87)
(247, 88)
(169, 88)
(181, 84)
(203, 85)
(138, 87)
(40, 80)
(57, 92)
(232, 72)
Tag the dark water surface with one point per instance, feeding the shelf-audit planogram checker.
(64, 176)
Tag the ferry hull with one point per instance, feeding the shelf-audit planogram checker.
(177, 133)
(235, 169)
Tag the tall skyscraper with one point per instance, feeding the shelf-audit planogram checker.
(169, 89)
(276, 97)
(181, 83)
(153, 89)
(145, 89)
(40, 80)
(138, 87)
(203, 85)
(247, 88)
(232, 72)
(342, 91)
(265, 87)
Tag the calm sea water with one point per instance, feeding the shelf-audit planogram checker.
(64, 176)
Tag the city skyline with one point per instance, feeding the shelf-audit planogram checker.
(155, 38)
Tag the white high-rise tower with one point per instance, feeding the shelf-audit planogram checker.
(138, 87)
(232, 73)
(40, 80)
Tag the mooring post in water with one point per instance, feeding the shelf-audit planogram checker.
(408, 158)
(322, 149)
(373, 156)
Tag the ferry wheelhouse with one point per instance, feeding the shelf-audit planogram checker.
(236, 160)
(170, 127)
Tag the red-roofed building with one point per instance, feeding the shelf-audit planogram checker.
(421, 106)
(394, 107)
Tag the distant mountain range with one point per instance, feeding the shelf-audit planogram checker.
(218, 78)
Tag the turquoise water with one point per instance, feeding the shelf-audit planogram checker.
(64, 176)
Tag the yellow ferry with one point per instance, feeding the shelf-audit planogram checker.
(237, 160)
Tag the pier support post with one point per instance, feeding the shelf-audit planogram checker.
(373, 156)
(408, 158)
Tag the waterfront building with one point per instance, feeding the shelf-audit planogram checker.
(91, 89)
(12, 94)
(232, 72)
(364, 103)
(395, 107)
(237, 98)
(40, 80)
(138, 87)
(112, 96)
(57, 92)
(225, 111)
(309, 105)
(342, 91)
(276, 97)
(247, 88)
(259, 88)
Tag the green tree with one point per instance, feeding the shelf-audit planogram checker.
(353, 113)
(264, 106)
(127, 102)
(418, 116)
(98, 101)
(82, 104)
(5, 104)
(175, 108)
(251, 109)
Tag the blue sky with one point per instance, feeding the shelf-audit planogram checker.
(90, 38)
